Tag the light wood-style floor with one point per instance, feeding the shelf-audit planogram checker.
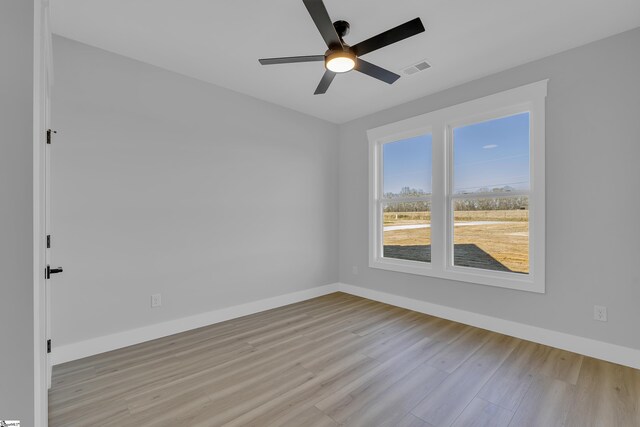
(343, 360)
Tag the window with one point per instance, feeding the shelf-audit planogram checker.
(458, 193)
(490, 196)
(406, 199)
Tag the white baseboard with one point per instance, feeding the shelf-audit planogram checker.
(90, 347)
(586, 346)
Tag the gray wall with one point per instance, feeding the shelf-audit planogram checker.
(593, 180)
(16, 211)
(165, 184)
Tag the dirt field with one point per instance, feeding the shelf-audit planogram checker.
(507, 243)
(393, 218)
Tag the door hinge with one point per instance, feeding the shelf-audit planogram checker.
(49, 132)
(48, 241)
(49, 346)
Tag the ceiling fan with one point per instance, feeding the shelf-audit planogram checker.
(340, 57)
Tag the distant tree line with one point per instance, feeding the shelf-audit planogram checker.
(406, 192)
(497, 204)
(408, 206)
(479, 204)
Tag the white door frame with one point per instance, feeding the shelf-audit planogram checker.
(42, 79)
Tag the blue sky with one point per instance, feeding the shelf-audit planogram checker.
(404, 164)
(488, 154)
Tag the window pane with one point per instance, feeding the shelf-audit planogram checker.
(492, 234)
(492, 156)
(406, 166)
(407, 231)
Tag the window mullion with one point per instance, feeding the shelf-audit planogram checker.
(379, 228)
(438, 198)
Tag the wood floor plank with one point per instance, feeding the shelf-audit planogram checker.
(390, 346)
(546, 404)
(226, 406)
(459, 350)
(101, 389)
(481, 413)
(448, 400)
(127, 382)
(72, 378)
(354, 320)
(393, 317)
(173, 412)
(228, 378)
(383, 375)
(393, 404)
(411, 420)
(511, 381)
(94, 413)
(344, 403)
(340, 359)
(607, 395)
(199, 358)
(562, 365)
(277, 356)
(288, 406)
(310, 417)
(323, 358)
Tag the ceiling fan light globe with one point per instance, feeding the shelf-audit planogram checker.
(340, 62)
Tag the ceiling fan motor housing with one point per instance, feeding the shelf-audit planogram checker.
(342, 28)
(342, 52)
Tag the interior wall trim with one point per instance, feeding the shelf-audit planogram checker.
(78, 350)
(586, 346)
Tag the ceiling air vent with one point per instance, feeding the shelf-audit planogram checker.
(415, 68)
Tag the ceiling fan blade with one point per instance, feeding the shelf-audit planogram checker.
(326, 80)
(377, 72)
(391, 36)
(291, 59)
(320, 16)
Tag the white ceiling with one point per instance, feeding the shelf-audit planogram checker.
(220, 41)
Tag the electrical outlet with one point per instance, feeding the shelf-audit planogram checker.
(600, 313)
(156, 300)
(354, 269)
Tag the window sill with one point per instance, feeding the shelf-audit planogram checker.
(499, 279)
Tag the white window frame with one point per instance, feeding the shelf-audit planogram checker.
(440, 124)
